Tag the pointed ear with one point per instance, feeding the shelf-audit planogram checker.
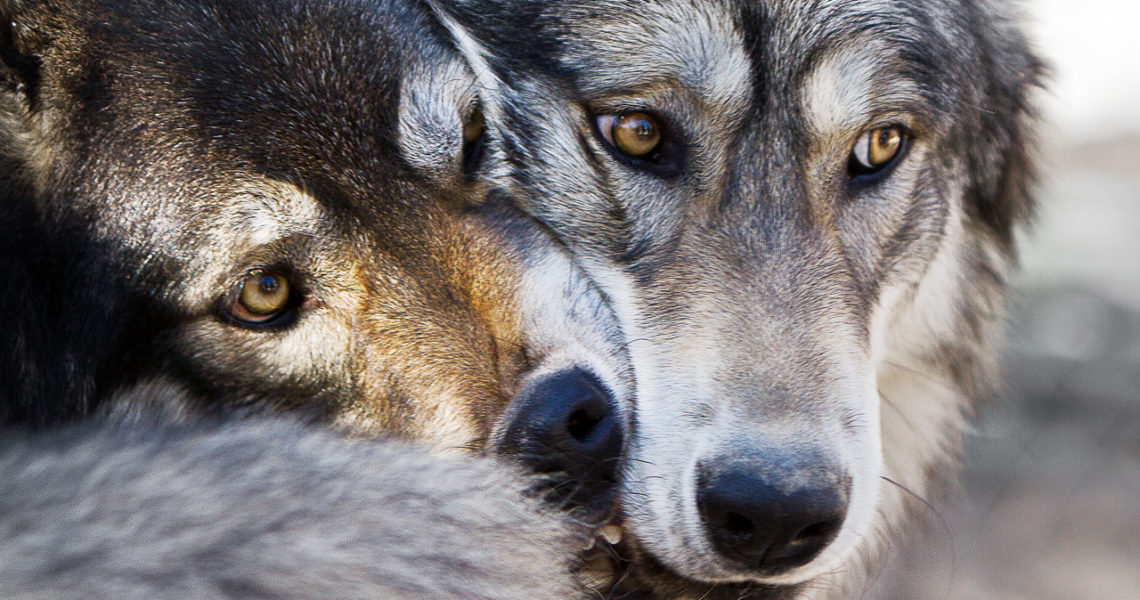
(20, 46)
(20, 80)
(19, 90)
(1003, 187)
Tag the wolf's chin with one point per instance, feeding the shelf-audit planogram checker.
(614, 564)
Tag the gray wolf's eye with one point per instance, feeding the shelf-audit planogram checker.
(264, 298)
(635, 134)
(876, 151)
(640, 140)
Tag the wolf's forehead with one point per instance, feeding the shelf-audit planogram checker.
(711, 48)
(266, 210)
(696, 46)
(851, 85)
(872, 66)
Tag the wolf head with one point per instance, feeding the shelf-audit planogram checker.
(271, 204)
(802, 213)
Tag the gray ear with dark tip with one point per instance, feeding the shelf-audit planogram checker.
(19, 61)
(21, 48)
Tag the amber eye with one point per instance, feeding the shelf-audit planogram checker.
(262, 298)
(635, 134)
(877, 149)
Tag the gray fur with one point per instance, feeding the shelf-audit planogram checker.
(156, 155)
(265, 509)
(776, 306)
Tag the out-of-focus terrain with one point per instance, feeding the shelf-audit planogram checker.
(1050, 505)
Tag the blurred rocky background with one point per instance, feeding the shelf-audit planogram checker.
(1050, 505)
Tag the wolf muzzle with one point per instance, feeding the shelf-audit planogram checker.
(769, 514)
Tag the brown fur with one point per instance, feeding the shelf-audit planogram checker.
(163, 151)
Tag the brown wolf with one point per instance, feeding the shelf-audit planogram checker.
(246, 207)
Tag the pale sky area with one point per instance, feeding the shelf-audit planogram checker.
(1089, 214)
(1094, 46)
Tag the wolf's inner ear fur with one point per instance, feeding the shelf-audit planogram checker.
(19, 62)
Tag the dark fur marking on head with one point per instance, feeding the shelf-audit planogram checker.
(22, 71)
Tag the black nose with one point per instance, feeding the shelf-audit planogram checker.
(770, 520)
(567, 428)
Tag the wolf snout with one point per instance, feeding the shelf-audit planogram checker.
(567, 428)
(766, 519)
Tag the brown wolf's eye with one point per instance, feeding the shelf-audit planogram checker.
(635, 134)
(877, 148)
(263, 297)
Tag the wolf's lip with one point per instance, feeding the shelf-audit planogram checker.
(613, 566)
(611, 533)
(601, 566)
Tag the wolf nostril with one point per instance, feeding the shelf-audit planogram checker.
(805, 544)
(825, 531)
(581, 424)
(739, 528)
(813, 532)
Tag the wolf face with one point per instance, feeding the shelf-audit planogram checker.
(271, 204)
(802, 214)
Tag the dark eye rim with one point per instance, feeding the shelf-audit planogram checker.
(283, 319)
(665, 162)
(862, 177)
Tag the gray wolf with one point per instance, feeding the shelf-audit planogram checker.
(262, 508)
(271, 205)
(803, 214)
